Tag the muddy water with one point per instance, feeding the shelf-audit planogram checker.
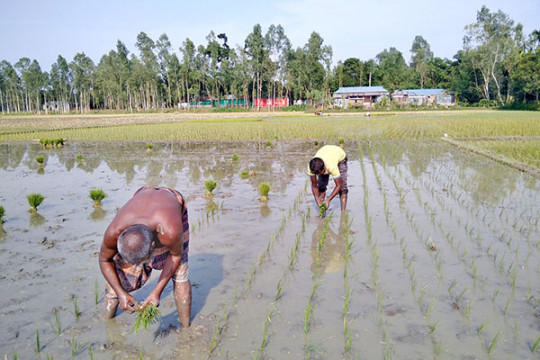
(439, 254)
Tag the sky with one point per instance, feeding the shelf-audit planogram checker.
(44, 29)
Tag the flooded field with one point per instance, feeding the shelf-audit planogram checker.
(438, 255)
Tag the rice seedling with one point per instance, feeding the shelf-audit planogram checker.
(264, 189)
(80, 158)
(76, 310)
(38, 343)
(57, 323)
(96, 293)
(493, 343)
(146, 315)
(97, 195)
(268, 144)
(149, 147)
(75, 347)
(307, 316)
(235, 157)
(34, 200)
(210, 185)
(481, 328)
(536, 345)
(40, 159)
(279, 291)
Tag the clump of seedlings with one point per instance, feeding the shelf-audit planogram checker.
(235, 157)
(2, 214)
(48, 143)
(34, 200)
(210, 185)
(316, 142)
(80, 158)
(146, 315)
(322, 209)
(244, 174)
(264, 189)
(268, 144)
(97, 195)
(40, 159)
(149, 147)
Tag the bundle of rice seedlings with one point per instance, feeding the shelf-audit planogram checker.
(322, 209)
(146, 315)
(210, 185)
(97, 195)
(34, 200)
(264, 189)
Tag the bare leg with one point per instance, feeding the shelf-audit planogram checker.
(343, 200)
(111, 305)
(182, 296)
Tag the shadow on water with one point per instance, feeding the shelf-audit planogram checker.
(205, 273)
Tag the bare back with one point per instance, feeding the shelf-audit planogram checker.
(157, 208)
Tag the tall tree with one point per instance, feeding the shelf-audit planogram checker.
(488, 41)
(188, 51)
(421, 57)
(149, 61)
(10, 87)
(353, 72)
(254, 47)
(392, 72)
(61, 83)
(279, 47)
(83, 70)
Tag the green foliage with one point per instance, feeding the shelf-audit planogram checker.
(34, 200)
(519, 106)
(97, 195)
(264, 189)
(80, 158)
(145, 316)
(235, 157)
(244, 174)
(210, 185)
(149, 146)
(2, 214)
(40, 159)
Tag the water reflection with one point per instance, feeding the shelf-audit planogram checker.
(328, 245)
(98, 214)
(36, 219)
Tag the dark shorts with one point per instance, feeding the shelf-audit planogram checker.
(322, 181)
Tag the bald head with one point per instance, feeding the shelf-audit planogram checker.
(135, 243)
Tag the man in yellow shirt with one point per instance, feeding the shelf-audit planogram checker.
(329, 160)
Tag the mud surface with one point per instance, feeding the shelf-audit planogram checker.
(439, 254)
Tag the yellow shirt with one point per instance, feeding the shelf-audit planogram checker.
(331, 155)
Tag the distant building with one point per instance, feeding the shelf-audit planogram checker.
(363, 96)
(426, 97)
(59, 106)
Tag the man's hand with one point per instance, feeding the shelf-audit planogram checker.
(128, 303)
(151, 299)
(327, 203)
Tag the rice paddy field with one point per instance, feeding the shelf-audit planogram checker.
(437, 256)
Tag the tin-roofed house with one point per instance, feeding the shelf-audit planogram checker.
(362, 96)
(425, 97)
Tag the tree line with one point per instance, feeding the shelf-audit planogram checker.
(498, 64)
